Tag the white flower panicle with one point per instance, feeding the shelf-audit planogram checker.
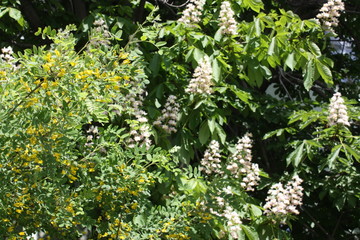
(283, 201)
(337, 111)
(201, 82)
(192, 13)
(92, 132)
(140, 134)
(233, 221)
(211, 160)
(6, 54)
(101, 34)
(169, 115)
(241, 165)
(140, 129)
(329, 14)
(227, 21)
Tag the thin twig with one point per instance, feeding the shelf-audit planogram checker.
(175, 6)
(337, 225)
(283, 85)
(22, 101)
(316, 222)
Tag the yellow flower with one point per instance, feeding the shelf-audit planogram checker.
(134, 205)
(19, 210)
(123, 55)
(57, 53)
(18, 204)
(126, 61)
(61, 73)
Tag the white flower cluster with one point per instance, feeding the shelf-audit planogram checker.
(192, 13)
(169, 115)
(93, 132)
(211, 160)
(240, 164)
(227, 21)
(233, 221)
(337, 111)
(201, 82)
(6, 54)
(101, 34)
(283, 201)
(140, 129)
(329, 14)
(232, 217)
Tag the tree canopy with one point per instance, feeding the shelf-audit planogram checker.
(179, 120)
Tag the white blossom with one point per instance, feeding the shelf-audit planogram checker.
(192, 13)
(100, 35)
(6, 56)
(329, 14)
(233, 221)
(210, 163)
(241, 165)
(93, 132)
(169, 115)
(201, 82)
(337, 111)
(282, 201)
(227, 21)
(139, 127)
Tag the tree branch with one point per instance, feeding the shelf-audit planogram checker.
(317, 223)
(30, 14)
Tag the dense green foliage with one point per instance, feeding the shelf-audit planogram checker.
(91, 145)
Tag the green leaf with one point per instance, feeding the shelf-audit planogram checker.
(340, 201)
(257, 27)
(189, 55)
(154, 65)
(353, 152)
(309, 75)
(278, 133)
(160, 44)
(273, 48)
(139, 220)
(157, 104)
(216, 70)
(16, 15)
(198, 55)
(324, 71)
(266, 72)
(3, 12)
(204, 133)
(255, 210)
(255, 76)
(297, 155)
(211, 123)
(250, 232)
(221, 133)
(255, 5)
(242, 95)
(290, 61)
(314, 49)
(334, 154)
(218, 35)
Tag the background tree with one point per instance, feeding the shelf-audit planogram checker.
(220, 67)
